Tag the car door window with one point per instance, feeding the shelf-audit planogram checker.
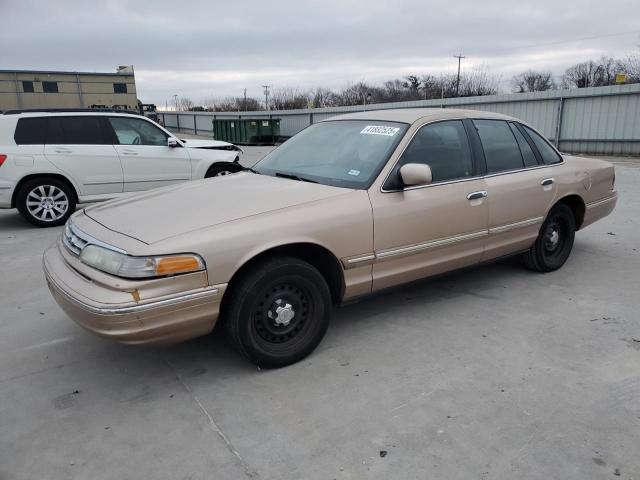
(501, 150)
(443, 146)
(85, 130)
(529, 157)
(547, 152)
(134, 131)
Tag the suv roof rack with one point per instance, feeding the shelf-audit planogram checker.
(69, 110)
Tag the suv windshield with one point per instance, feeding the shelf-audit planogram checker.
(342, 153)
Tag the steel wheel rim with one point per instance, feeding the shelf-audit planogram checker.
(281, 327)
(47, 203)
(555, 238)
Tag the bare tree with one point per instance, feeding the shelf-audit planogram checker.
(591, 74)
(185, 103)
(288, 99)
(532, 81)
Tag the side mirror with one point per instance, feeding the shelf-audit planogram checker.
(412, 174)
(172, 142)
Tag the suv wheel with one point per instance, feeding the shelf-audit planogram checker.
(45, 202)
(555, 241)
(278, 312)
(221, 170)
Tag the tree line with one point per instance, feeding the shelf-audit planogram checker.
(478, 82)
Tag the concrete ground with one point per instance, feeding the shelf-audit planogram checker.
(491, 373)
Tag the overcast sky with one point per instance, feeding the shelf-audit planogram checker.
(217, 48)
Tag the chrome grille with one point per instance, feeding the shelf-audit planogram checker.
(75, 240)
(72, 239)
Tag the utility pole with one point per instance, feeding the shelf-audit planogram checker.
(245, 99)
(266, 96)
(459, 57)
(175, 100)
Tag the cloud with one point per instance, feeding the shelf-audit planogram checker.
(200, 49)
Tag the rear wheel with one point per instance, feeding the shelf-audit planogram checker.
(220, 170)
(278, 312)
(555, 241)
(45, 202)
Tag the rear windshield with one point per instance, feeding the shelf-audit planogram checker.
(342, 153)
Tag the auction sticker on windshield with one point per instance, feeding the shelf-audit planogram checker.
(380, 130)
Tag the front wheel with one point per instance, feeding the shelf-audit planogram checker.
(555, 241)
(278, 312)
(45, 202)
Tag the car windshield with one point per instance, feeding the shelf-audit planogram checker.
(342, 153)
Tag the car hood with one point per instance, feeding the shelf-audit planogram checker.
(201, 143)
(166, 212)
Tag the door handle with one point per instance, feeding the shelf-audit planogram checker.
(63, 150)
(546, 182)
(477, 195)
(129, 152)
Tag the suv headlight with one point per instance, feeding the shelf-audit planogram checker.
(127, 266)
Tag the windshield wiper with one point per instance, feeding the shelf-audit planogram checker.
(294, 177)
(249, 169)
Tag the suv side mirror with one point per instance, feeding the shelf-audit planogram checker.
(172, 142)
(412, 174)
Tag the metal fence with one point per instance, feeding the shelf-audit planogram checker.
(598, 120)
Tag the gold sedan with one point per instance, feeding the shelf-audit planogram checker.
(347, 207)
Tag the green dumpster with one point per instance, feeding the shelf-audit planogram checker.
(247, 131)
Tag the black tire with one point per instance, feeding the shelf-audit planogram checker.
(255, 314)
(222, 169)
(555, 241)
(46, 202)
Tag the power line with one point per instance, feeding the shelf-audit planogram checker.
(563, 42)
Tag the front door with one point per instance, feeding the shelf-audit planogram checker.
(426, 230)
(146, 159)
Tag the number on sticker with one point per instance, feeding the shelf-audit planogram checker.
(380, 130)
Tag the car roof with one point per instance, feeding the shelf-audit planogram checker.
(412, 115)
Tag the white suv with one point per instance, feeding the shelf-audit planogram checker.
(52, 160)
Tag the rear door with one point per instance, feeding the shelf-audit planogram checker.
(146, 159)
(519, 187)
(81, 147)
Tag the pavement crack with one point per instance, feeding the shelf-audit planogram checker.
(249, 472)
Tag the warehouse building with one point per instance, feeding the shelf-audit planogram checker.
(20, 89)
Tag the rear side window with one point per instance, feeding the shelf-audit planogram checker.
(76, 131)
(31, 131)
(501, 150)
(27, 87)
(443, 146)
(529, 157)
(547, 152)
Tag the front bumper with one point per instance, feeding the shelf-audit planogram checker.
(154, 321)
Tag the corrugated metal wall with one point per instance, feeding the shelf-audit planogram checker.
(599, 120)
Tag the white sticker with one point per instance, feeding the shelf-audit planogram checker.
(265, 123)
(355, 173)
(380, 130)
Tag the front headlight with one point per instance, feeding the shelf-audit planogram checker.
(127, 266)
